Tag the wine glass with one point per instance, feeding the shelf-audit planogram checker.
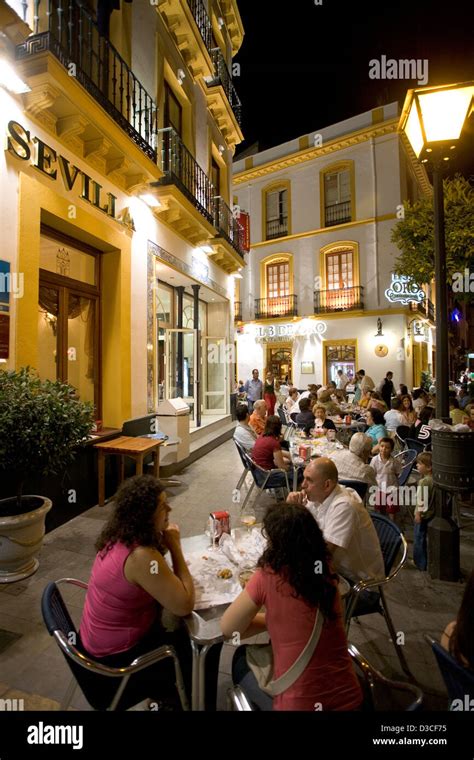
(213, 532)
(248, 520)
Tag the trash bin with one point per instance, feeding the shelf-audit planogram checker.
(453, 454)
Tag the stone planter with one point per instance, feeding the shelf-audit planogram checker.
(21, 536)
(453, 455)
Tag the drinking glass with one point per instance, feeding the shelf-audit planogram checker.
(249, 520)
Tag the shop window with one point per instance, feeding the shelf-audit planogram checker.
(68, 317)
(337, 195)
(276, 212)
(188, 314)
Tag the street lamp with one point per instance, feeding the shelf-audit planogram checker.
(432, 120)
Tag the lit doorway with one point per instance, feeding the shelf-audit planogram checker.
(339, 354)
(279, 361)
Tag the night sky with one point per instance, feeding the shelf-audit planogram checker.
(306, 66)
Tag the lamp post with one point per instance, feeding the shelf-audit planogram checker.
(432, 120)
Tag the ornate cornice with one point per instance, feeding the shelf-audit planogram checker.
(303, 156)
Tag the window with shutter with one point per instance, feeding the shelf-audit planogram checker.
(337, 197)
(276, 213)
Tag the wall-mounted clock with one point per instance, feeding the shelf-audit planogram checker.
(381, 350)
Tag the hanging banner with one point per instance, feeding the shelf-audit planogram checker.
(244, 220)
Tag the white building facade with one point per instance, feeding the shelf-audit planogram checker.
(319, 293)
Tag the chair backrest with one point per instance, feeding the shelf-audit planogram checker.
(381, 693)
(403, 431)
(407, 458)
(414, 445)
(282, 415)
(140, 426)
(391, 539)
(243, 455)
(357, 485)
(459, 681)
(97, 688)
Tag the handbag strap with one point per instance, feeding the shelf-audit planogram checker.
(287, 679)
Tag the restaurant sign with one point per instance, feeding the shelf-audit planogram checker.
(287, 330)
(46, 160)
(403, 290)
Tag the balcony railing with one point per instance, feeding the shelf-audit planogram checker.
(343, 299)
(203, 21)
(277, 228)
(228, 226)
(224, 78)
(181, 169)
(72, 35)
(340, 213)
(280, 306)
(237, 311)
(425, 307)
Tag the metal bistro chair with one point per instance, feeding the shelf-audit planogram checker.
(407, 459)
(92, 676)
(391, 541)
(243, 457)
(286, 422)
(459, 681)
(358, 486)
(379, 693)
(264, 480)
(414, 445)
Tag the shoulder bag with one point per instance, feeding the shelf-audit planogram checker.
(260, 662)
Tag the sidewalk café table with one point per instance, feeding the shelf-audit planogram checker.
(125, 446)
(215, 594)
(315, 447)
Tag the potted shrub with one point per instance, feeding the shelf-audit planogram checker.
(41, 425)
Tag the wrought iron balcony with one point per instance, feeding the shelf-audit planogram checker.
(425, 307)
(72, 36)
(203, 21)
(342, 299)
(237, 311)
(339, 213)
(181, 169)
(228, 226)
(223, 78)
(277, 228)
(280, 306)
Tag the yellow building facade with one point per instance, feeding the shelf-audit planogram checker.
(117, 227)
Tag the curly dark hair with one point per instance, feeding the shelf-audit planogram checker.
(132, 521)
(295, 545)
(461, 643)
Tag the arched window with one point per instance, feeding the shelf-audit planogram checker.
(339, 288)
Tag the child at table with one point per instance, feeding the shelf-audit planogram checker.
(387, 469)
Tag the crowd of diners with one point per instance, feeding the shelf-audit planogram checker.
(321, 532)
(136, 600)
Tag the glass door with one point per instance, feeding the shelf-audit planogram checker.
(215, 359)
(180, 366)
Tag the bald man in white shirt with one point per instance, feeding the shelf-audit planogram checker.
(344, 521)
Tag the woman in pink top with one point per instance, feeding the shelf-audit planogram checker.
(292, 582)
(131, 583)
